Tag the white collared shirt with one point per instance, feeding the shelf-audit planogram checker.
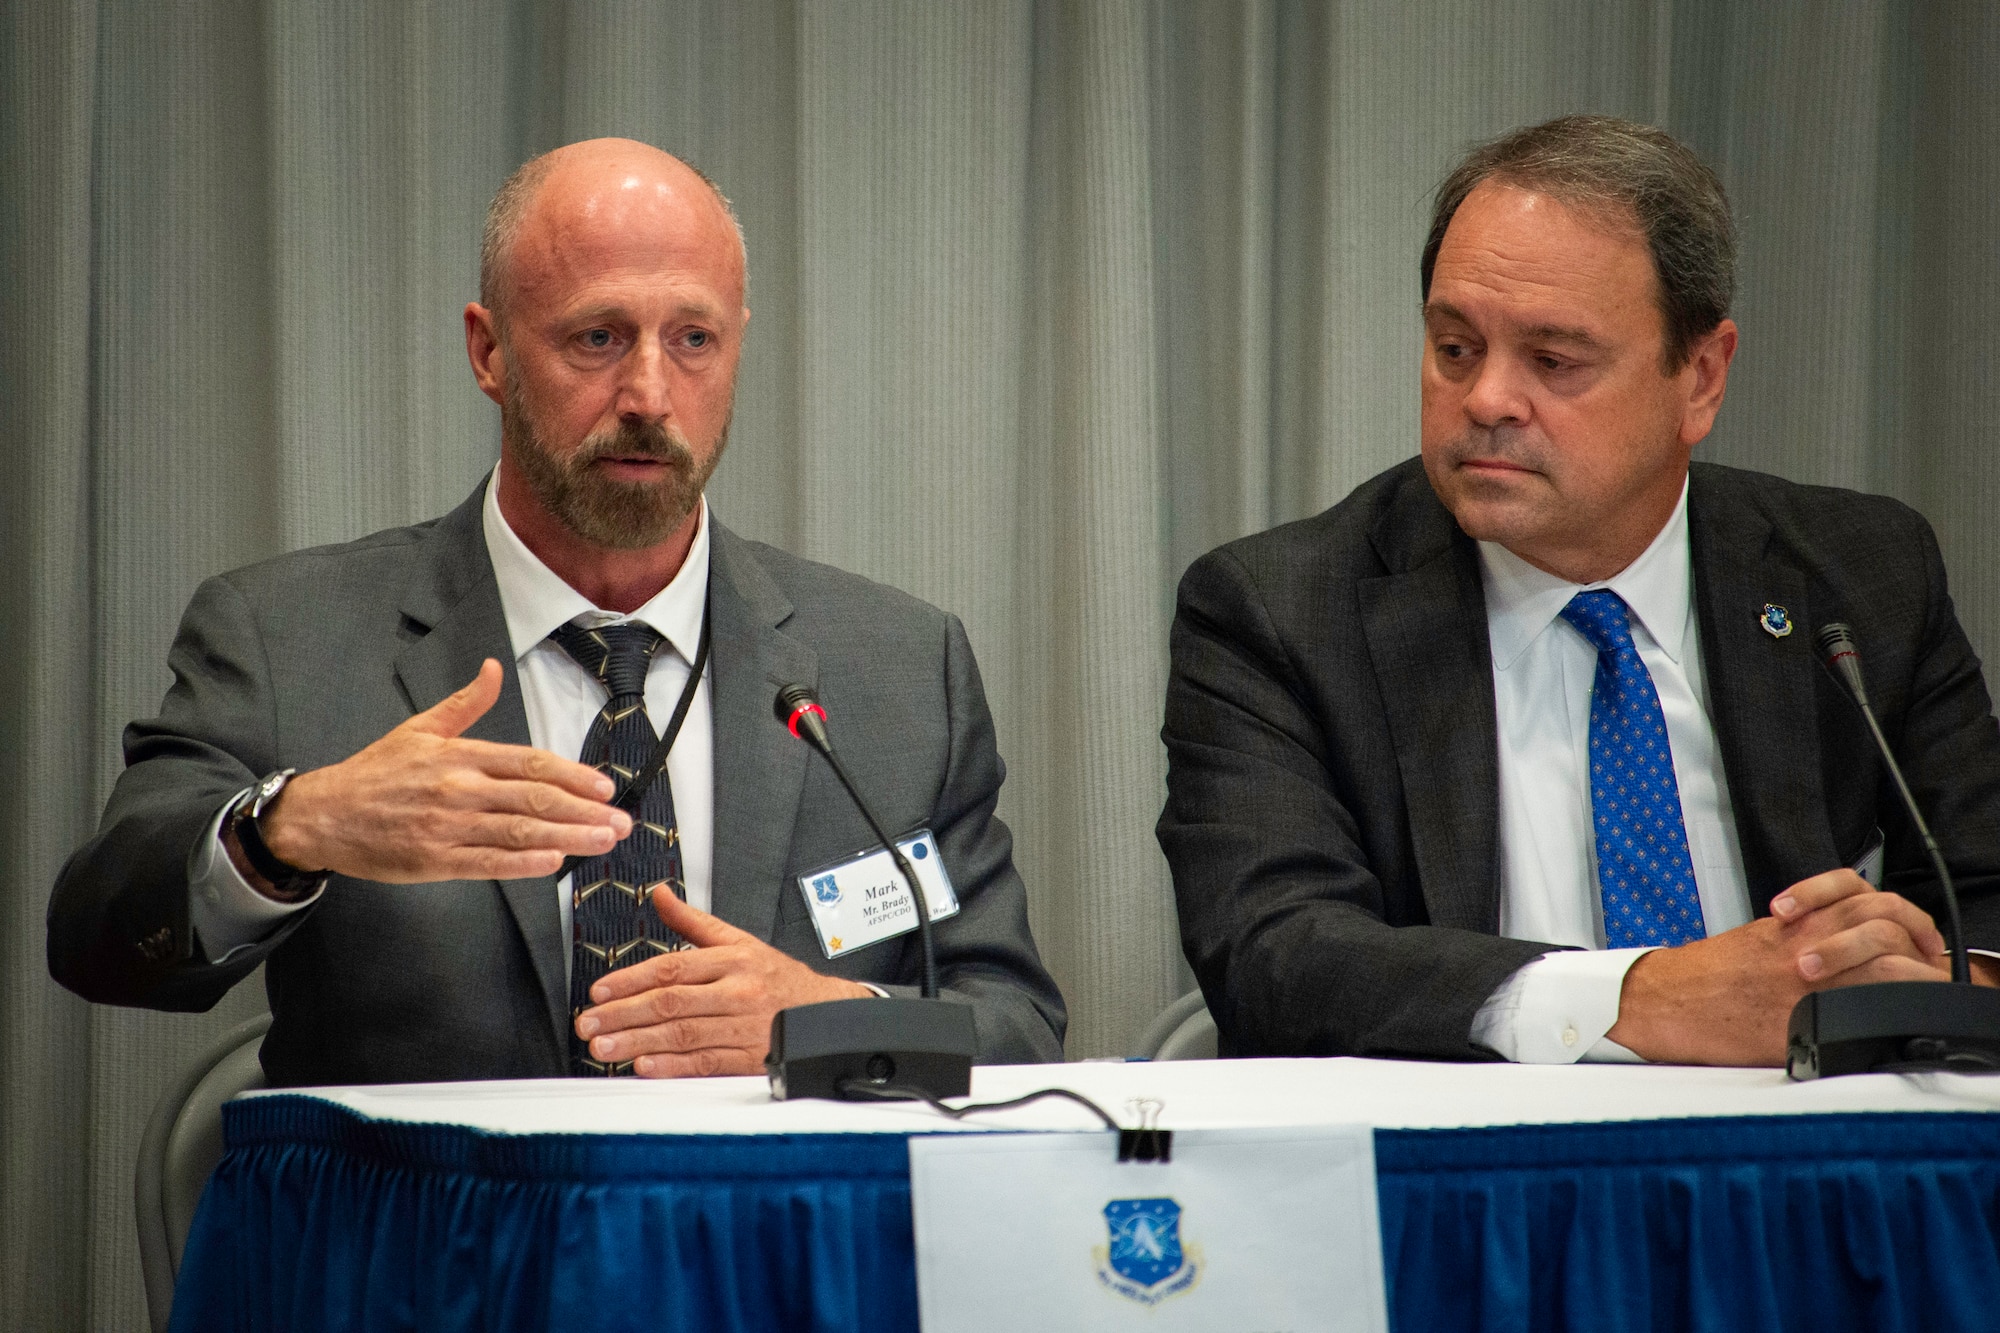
(561, 700)
(1558, 1008)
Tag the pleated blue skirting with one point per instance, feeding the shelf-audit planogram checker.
(319, 1219)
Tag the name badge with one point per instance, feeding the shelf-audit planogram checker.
(863, 901)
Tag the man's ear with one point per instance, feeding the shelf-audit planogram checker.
(1707, 373)
(484, 350)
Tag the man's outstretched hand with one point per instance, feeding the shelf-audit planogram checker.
(705, 1010)
(423, 803)
(1727, 1000)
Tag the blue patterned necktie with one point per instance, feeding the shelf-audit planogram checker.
(1644, 873)
(611, 896)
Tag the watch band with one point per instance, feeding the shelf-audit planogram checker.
(288, 882)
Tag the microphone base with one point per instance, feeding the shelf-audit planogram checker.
(1895, 1027)
(921, 1044)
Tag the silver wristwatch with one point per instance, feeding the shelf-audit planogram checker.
(288, 882)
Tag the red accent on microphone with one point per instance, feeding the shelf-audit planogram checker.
(793, 721)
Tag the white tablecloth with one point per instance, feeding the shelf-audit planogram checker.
(1194, 1094)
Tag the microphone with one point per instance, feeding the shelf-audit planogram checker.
(801, 713)
(1894, 1026)
(804, 718)
(849, 1049)
(1842, 656)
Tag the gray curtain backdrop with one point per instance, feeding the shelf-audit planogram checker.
(1049, 299)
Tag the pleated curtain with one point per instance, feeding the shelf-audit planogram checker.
(1048, 298)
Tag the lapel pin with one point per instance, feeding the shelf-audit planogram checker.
(1777, 621)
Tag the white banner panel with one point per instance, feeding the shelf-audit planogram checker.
(1272, 1230)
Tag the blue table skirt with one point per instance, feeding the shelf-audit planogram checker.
(321, 1219)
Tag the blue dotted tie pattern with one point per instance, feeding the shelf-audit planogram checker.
(1644, 873)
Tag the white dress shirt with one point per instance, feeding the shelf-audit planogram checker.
(1558, 1008)
(561, 700)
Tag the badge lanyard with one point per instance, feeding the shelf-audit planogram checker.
(635, 791)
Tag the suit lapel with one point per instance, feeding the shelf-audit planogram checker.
(1762, 689)
(759, 767)
(1426, 628)
(453, 596)
(452, 593)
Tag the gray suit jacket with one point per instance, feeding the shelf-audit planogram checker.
(1332, 815)
(302, 660)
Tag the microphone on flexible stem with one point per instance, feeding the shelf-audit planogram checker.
(823, 1050)
(1843, 658)
(804, 718)
(1894, 1026)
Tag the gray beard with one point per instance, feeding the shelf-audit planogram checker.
(621, 515)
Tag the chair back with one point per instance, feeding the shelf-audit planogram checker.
(182, 1145)
(1183, 1031)
(1194, 1039)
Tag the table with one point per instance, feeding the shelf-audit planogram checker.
(1512, 1197)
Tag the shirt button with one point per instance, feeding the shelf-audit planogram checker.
(1569, 1036)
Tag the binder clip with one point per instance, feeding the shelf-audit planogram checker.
(1148, 1143)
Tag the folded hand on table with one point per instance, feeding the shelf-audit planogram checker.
(1727, 1000)
(705, 1010)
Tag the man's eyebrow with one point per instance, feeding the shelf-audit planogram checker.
(1564, 333)
(592, 314)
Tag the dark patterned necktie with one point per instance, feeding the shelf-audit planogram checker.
(611, 896)
(1645, 876)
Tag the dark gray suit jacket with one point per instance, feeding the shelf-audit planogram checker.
(302, 660)
(1332, 810)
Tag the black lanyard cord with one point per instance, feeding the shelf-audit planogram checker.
(634, 792)
(642, 781)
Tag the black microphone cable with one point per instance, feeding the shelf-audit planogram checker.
(862, 1089)
(1145, 1144)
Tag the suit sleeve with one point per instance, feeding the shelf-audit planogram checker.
(986, 955)
(1284, 920)
(118, 919)
(1948, 745)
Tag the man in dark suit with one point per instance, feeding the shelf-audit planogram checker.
(1523, 749)
(325, 793)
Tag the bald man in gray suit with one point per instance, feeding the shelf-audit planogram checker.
(325, 793)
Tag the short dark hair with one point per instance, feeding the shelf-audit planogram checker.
(1605, 162)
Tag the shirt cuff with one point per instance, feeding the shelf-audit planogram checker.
(227, 914)
(880, 994)
(1556, 1010)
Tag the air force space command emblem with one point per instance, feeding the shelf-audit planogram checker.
(827, 889)
(1144, 1259)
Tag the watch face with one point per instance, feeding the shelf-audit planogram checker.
(268, 789)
